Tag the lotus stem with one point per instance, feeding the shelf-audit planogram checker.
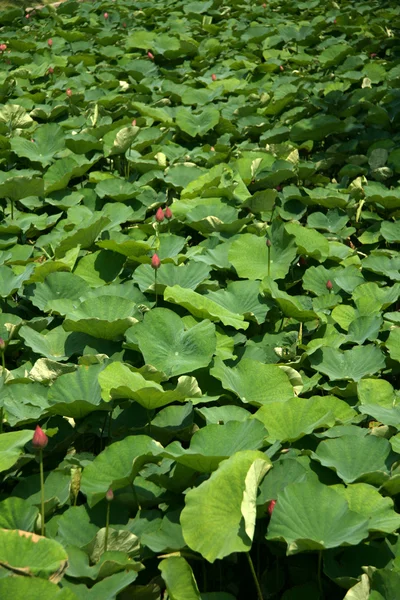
(3, 362)
(107, 526)
(253, 572)
(155, 284)
(269, 260)
(321, 592)
(41, 490)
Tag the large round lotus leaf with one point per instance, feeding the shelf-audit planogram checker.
(393, 344)
(220, 514)
(376, 391)
(47, 141)
(309, 242)
(316, 278)
(11, 447)
(117, 189)
(117, 466)
(32, 554)
(56, 344)
(119, 381)
(387, 416)
(24, 402)
(197, 124)
(273, 384)
(297, 307)
(311, 516)
(99, 268)
(364, 328)
(190, 276)
(286, 470)
(249, 255)
(223, 414)
(242, 297)
(76, 394)
(21, 588)
(202, 307)
(214, 443)
(372, 298)
(168, 346)
(354, 457)
(11, 283)
(297, 417)
(348, 364)
(179, 579)
(58, 286)
(74, 527)
(384, 265)
(105, 317)
(368, 502)
(15, 513)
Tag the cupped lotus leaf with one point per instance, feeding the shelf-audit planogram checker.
(286, 470)
(393, 344)
(200, 306)
(15, 513)
(333, 220)
(21, 184)
(57, 344)
(220, 514)
(64, 169)
(181, 175)
(361, 590)
(377, 193)
(33, 588)
(179, 579)
(316, 128)
(351, 364)
(47, 141)
(83, 236)
(117, 466)
(365, 500)
(99, 268)
(384, 265)
(58, 286)
(311, 516)
(386, 415)
(316, 278)
(249, 254)
(364, 328)
(297, 417)
(74, 527)
(110, 563)
(242, 297)
(116, 188)
(167, 345)
(136, 250)
(11, 283)
(297, 307)
(309, 242)
(105, 317)
(118, 141)
(29, 554)
(119, 381)
(272, 385)
(12, 446)
(197, 124)
(356, 458)
(190, 275)
(214, 443)
(376, 391)
(223, 414)
(24, 402)
(76, 394)
(371, 297)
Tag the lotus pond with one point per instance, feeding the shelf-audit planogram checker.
(199, 300)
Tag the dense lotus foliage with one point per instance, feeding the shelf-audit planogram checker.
(199, 300)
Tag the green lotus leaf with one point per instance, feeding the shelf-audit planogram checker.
(214, 443)
(316, 128)
(179, 579)
(83, 236)
(197, 124)
(364, 328)
(32, 555)
(384, 265)
(311, 516)
(377, 193)
(355, 458)
(297, 307)
(168, 346)
(34, 589)
(47, 143)
(190, 275)
(118, 141)
(273, 384)
(58, 286)
(74, 527)
(119, 381)
(286, 470)
(370, 297)
(63, 170)
(99, 268)
(348, 364)
(376, 391)
(309, 242)
(11, 447)
(132, 249)
(76, 394)
(11, 283)
(242, 297)
(56, 345)
(181, 175)
(219, 515)
(24, 402)
(391, 232)
(316, 278)
(200, 306)
(105, 317)
(327, 197)
(15, 513)
(386, 415)
(111, 564)
(393, 344)
(117, 189)
(117, 466)
(223, 414)
(168, 536)
(332, 221)
(57, 489)
(365, 500)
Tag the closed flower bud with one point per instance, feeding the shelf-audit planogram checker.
(50, 42)
(155, 261)
(150, 55)
(3, 47)
(69, 92)
(106, 15)
(134, 123)
(168, 213)
(124, 25)
(214, 77)
(109, 495)
(271, 506)
(50, 70)
(2, 345)
(329, 285)
(269, 243)
(160, 215)
(40, 439)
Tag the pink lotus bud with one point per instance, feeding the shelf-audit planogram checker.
(155, 261)
(372, 55)
(109, 495)
(69, 92)
(40, 439)
(271, 506)
(168, 213)
(50, 42)
(281, 67)
(27, 16)
(3, 47)
(105, 15)
(124, 25)
(214, 77)
(50, 70)
(278, 188)
(269, 243)
(134, 123)
(264, 5)
(329, 285)
(150, 55)
(160, 215)
(2, 345)
(334, 21)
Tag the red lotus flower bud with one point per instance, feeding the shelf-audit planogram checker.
(372, 55)
(106, 15)
(40, 439)
(160, 215)
(264, 5)
(109, 495)
(302, 261)
(334, 21)
(27, 16)
(150, 55)
(124, 25)
(50, 42)
(134, 123)
(281, 67)
(329, 285)
(168, 213)
(3, 47)
(214, 77)
(50, 70)
(2, 345)
(69, 92)
(269, 243)
(155, 261)
(278, 188)
(271, 506)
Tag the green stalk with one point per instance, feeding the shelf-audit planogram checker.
(321, 593)
(41, 488)
(269, 260)
(155, 283)
(3, 362)
(254, 575)
(107, 526)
